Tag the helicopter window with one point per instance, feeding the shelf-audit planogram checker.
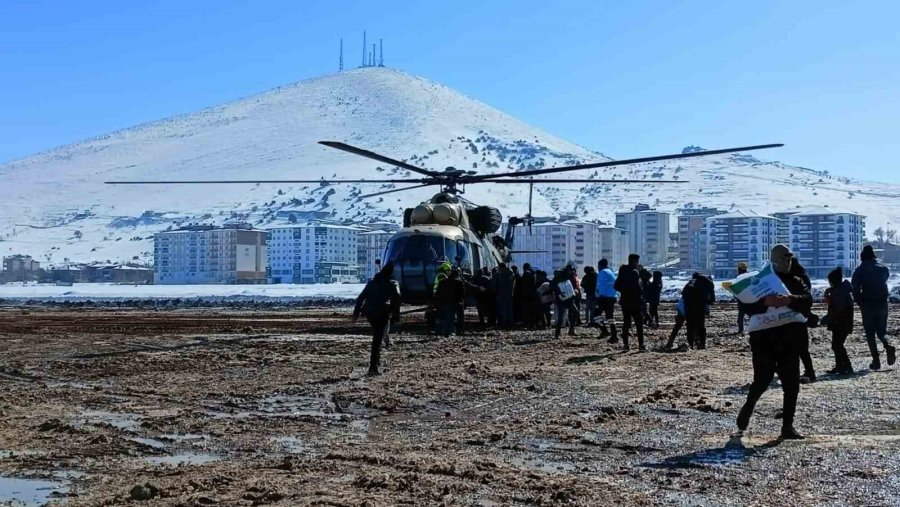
(428, 249)
(476, 257)
(464, 258)
(450, 252)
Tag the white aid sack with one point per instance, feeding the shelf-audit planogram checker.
(751, 287)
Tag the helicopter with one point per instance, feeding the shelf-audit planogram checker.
(449, 228)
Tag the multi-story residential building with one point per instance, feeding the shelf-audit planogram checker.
(614, 246)
(588, 243)
(372, 245)
(648, 233)
(692, 246)
(233, 254)
(824, 238)
(739, 237)
(313, 253)
(551, 245)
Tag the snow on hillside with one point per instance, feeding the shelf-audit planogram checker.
(54, 205)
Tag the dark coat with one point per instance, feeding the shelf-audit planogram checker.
(506, 283)
(870, 282)
(628, 284)
(654, 291)
(379, 295)
(451, 292)
(589, 284)
(840, 307)
(698, 294)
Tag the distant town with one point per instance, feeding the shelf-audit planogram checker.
(309, 249)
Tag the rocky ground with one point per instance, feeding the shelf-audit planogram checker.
(199, 407)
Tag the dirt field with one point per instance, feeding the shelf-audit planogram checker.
(229, 407)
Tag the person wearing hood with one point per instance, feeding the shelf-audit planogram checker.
(628, 284)
(698, 295)
(839, 319)
(870, 291)
(379, 302)
(646, 280)
(777, 349)
(528, 297)
(606, 296)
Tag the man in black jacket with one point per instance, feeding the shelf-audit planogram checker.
(628, 285)
(777, 349)
(871, 294)
(380, 303)
(697, 295)
(589, 288)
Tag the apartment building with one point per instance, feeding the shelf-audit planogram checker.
(648, 233)
(232, 254)
(314, 253)
(739, 236)
(823, 238)
(692, 242)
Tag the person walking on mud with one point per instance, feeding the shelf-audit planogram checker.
(871, 294)
(589, 288)
(506, 285)
(654, 293)
(698, 295)
(839, 319)
(379, 302)
(628, 284)
(564, 295)
(606, 300)
(777, 349)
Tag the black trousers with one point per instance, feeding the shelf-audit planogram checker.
(654, 314)
(607, 307)
(841, 358)
(741, 315)
(808, 368)
(632, 313)
(679, 322)
(381, 326)
(696, 328)
(776, 351)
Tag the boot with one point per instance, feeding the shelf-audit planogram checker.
(572, 332)
(789, 433)
(875, 365)
(556, 333)
(891, 354)
(743, 419)
(614, 338)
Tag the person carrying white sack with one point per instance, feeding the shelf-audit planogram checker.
(777, 330)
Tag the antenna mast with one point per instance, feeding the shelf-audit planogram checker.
(341, 61)
(381, 52)
(364, 49)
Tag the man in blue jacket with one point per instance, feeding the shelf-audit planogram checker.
(606, 299)
(870, 291)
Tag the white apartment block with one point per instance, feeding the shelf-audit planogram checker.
(314, 253)
(648, 233)
(551, 245)
(739, 237)
(692, 243)
(372, 245)
(210, 255)
(614, 246)
(824, 238)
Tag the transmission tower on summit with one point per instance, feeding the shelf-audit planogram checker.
(369, 58)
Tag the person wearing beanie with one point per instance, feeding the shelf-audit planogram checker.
(839, 320)
(870, 291)
(777, 349)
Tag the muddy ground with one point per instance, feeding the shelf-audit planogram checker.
(254, 407)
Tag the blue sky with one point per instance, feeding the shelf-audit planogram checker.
(626, 78)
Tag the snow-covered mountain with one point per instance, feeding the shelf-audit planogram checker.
(54, 205)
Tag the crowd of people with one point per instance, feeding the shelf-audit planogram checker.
(533, 299)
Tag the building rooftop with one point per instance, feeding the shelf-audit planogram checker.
(816, 210)
(743, 214)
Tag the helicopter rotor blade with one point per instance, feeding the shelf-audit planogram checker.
(534, 172)
(391, 191)
(381, 158)
(564, 180)
(253, 182)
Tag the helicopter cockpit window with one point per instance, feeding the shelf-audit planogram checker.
(464, 257)
(477, 261)
(450, 251)
(426, 249)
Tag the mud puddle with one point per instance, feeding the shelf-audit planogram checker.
(30, 492)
